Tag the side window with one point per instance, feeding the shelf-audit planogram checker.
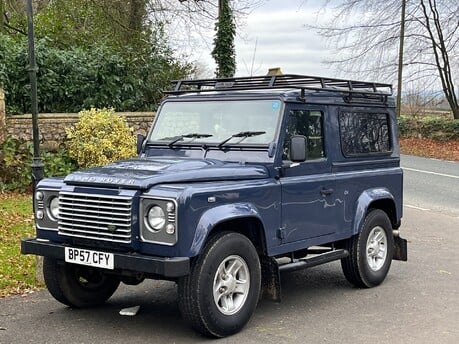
(309, 124)
(364, 133)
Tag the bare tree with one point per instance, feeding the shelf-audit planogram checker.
(196, 15)
(420, 98)
(191, 23)
(366, 33)
(441, 51)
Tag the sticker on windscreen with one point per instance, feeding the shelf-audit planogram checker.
(275, 105)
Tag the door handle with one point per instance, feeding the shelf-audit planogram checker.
(326, 192)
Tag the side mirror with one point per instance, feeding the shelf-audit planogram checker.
(140, 139)
(298, 148)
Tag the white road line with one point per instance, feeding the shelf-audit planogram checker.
(442, 160)
(430, 172)
(414, 207)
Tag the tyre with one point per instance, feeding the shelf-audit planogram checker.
(370, 251)
(76, 285)
(222, 290)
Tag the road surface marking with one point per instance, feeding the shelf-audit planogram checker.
(430, 172)
(414, 207)
(442, 160)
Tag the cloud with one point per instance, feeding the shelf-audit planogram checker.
(272, 38)
(281, 40)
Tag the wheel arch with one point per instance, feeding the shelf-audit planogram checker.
(241, 218)
(378, 198)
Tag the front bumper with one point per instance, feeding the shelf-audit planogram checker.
(162, 266)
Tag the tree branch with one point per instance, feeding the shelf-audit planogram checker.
(7, 25)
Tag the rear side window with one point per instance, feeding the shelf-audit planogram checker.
(364, 133)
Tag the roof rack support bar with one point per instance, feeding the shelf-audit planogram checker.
(272, 81)
(303, 95)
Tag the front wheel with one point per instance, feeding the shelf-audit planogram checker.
(222, 290)
(370, 251)
(76, 285)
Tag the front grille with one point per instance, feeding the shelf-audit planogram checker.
(95, 216)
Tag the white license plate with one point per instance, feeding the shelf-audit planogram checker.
(90, 258)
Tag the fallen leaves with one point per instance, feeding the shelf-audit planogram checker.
(17, 272)
(447, 150)
(444, 272)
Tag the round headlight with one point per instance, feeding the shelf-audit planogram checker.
(54, 208)
(156, 219)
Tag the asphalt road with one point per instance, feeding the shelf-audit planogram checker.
(431, 184)
(418, 302)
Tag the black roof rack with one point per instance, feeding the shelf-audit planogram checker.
(286, 81)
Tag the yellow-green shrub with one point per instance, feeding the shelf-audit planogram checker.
(100, 137)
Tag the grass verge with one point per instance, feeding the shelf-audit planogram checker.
(17, 272)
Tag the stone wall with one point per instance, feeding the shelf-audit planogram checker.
(52, 126)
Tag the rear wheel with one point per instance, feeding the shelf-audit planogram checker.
(370, 251)
(76, 285)
(222, 290)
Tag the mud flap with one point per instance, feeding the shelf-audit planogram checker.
(400, 249)
(270, 282)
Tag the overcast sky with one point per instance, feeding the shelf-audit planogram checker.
(274, 36)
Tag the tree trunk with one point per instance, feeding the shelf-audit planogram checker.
(456, 113)
(441, 54)
(224, 52)
(136, 15)
(2, 16)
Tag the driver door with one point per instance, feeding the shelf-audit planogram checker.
(309, 208)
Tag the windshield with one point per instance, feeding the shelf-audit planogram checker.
(216, 121)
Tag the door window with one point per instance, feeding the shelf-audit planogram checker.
(308, 123)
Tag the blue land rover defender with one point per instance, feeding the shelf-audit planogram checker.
(238, 180)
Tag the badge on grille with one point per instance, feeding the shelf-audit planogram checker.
(111, 228)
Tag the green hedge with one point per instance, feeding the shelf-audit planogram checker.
(72, 79)
(437, 128)
(16, 157)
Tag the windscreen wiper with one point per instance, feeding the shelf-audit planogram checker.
(191, 135)
(243, 135)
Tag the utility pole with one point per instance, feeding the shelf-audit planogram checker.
(37, 165)
(400, 59)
